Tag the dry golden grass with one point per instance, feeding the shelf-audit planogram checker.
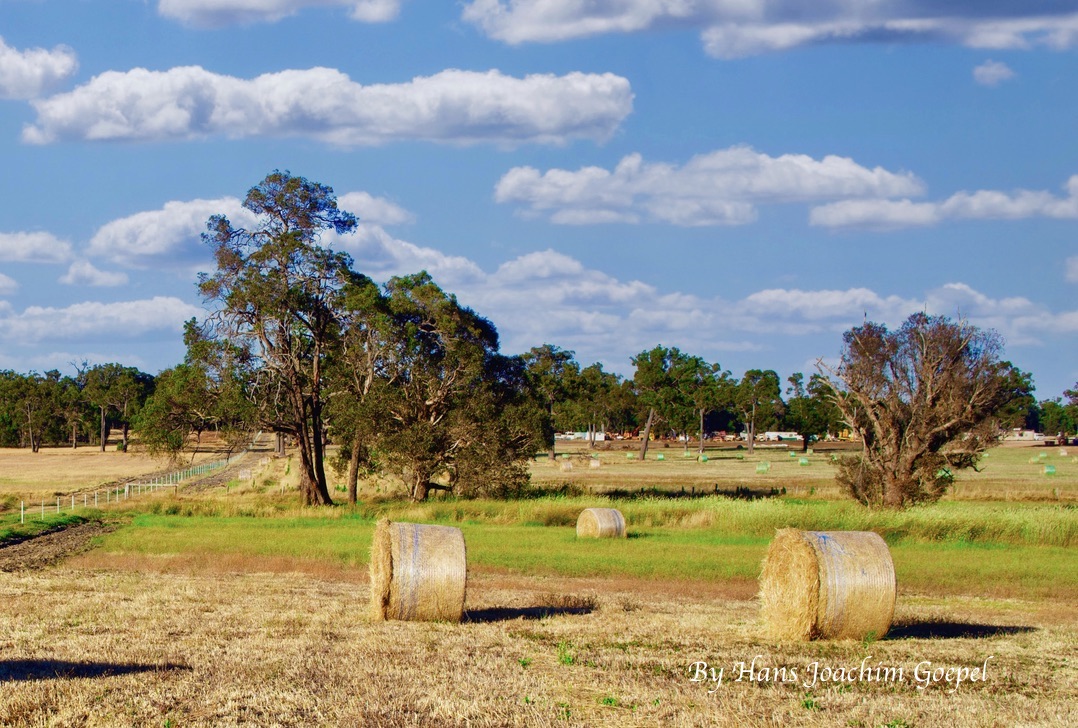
(1005, 474)
(119, 647)
(56, 471)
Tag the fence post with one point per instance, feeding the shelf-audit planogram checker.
(96, 493)
(22, 512)
(42, 509)
(57, 504)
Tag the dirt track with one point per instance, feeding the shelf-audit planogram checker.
(51, 547)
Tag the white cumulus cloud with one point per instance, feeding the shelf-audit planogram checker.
(26, 74)
(718, 188)
(1071, 268)
(124, 319)
(453, 106)
(735, 28)
(992, 73)
(37, 247)
(979, 205)
(84, 273)
(165, 238)
(171, 237)
(220, 13)
(8, 285)
(371, 209)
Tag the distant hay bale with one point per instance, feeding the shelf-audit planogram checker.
(600, 523)
(419, 573)
(827, 585)
(595, 463)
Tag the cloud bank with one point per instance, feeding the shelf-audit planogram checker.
(453, 106)
(26, 74)
(737, 28)
(601, 316)
(719, 188)
(979, 205)
(37, 247)
(221, 13)
(80, 321)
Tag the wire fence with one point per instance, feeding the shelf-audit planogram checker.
(134, 489)
(117, 494)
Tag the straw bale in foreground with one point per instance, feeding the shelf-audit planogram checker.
(827, 584)
(418, 572)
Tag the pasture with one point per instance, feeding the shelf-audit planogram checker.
(228, 603)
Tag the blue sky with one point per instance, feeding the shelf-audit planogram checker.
(744, 180)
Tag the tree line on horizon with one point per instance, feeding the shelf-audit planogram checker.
(407, 382)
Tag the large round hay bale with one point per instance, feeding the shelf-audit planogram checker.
(600, 523)
(418, 572)
(827, 584)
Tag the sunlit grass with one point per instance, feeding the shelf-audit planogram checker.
(947, 565)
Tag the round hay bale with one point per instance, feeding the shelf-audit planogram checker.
(418, 573)
(600, 523)
(827, 584)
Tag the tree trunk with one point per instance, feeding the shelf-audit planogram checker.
(126, 428)
(700, 450)
(647, 434)
(104, 430)
(314, 493)
(420, 485)
(318, 450)
(554, 437)
(752, 430)
(74, 437)
(892, 493)
(30, 429)
(353, 472)
(314, 490)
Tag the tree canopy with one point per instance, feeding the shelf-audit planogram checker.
(277, 294)
(924, 399)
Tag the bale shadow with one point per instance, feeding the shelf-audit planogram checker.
(508, 614)
(16, 670)
(953, 630)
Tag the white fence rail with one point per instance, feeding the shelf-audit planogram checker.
(138, 487)
(116, 494)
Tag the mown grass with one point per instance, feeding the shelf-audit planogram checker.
(1003, 523)
(668, 552)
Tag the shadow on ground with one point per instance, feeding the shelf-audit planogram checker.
(505, 614)
(953, 630)
(14, 670)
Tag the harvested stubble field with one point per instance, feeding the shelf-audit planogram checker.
(243, 608)
(101, 647)
(60, 471)
(1005, 474)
